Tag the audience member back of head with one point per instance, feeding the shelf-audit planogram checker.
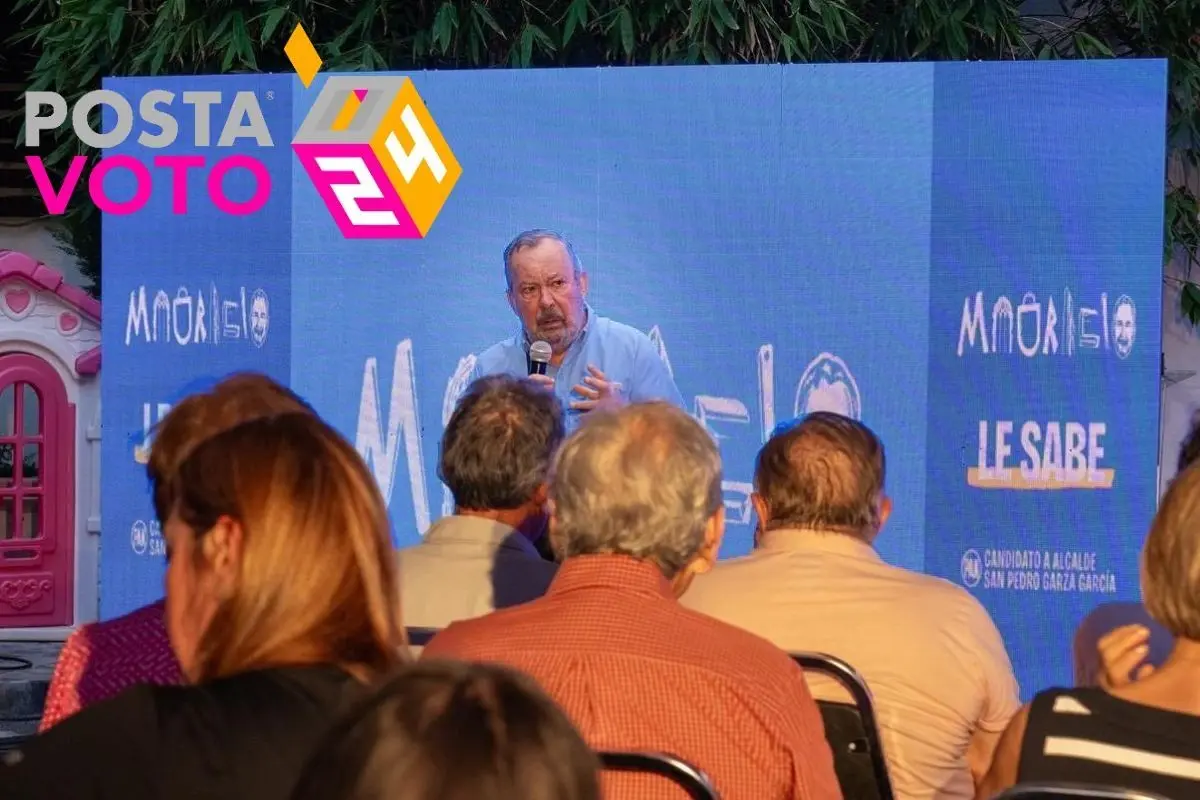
(280, 606)
(444, 730)
(103, 659)
(495, 456)
(637, 511)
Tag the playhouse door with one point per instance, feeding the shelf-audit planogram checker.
(37, 495)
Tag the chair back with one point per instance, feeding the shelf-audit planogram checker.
(419, 637)
(687, 777)
(851, 730)
(1074, 791)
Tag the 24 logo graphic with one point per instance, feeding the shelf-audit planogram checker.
(372, 150)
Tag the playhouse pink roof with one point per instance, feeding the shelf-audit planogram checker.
(38, 275)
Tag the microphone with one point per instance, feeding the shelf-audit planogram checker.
(539, 357)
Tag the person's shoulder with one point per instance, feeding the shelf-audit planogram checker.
(480, 636)
(147, 621)
(925, 588)
(497, 353)
(737, 650)
(714, 588)
(613, 330)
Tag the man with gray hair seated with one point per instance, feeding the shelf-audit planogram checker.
(637, 512)
(935, 664)
(496, 453)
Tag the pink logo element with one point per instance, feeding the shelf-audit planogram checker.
(262, 185)
(56, 201)
(67, 322)
(141, 176)
(361, 94)
(178, 165)
(18, 300)
(357, 190)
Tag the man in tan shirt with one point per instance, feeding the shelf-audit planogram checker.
(935, 664)
(495, 455)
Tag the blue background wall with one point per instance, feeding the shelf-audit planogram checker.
(759, 220)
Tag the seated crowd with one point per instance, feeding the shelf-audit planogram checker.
(278, 668)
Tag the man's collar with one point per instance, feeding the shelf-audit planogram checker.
(607, 571)
(468, 529)
(792, 539)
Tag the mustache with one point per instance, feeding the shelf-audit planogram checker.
(551, 318)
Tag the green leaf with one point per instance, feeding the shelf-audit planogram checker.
(625, 22)
(1091, 43)
(160, 54)
(1191, 292)
(576, 18)
(487, 18)
(958, 40)
(526, 46)
(219, 30)
(543, 38)
(271, 21)
(710, 53)
(723, 14)
(116, 24)
(445, 22)
(696, 18)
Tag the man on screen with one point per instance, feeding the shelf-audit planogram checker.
(595, 361)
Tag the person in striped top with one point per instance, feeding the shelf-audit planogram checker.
(1142, 734)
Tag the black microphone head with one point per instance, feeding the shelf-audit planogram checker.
(539, 357)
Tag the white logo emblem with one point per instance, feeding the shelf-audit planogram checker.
(1124, 326)
(139, 537)
(260, 317)
(972, 569)
(828, 385)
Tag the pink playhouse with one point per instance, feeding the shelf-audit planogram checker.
(49, 450)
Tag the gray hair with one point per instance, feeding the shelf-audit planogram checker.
(642, 481)
(499, 442)
(534, 237)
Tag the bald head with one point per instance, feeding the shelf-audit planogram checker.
(826, 473)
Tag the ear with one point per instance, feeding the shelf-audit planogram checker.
(552, 535)
(714, 532)
(512, 301)
(761, 511)
(222, 547)
(885, 511)
(583, 283)
(540, 496)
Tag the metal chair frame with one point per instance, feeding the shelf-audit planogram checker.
(687, 777)
(849, 679)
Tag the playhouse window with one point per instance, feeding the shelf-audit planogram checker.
(21, 455)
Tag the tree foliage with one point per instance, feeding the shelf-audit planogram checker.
(79, 41)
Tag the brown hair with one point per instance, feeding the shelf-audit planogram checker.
(825, 473)
(1171, 558)
(316, 581)
(236, 399)
(445, 730)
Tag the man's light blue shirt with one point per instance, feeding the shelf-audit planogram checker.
(624, 354)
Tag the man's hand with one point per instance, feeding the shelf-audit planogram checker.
(1122, 653)
(544, 381)
(597, 390)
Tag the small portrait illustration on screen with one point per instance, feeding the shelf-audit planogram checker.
(1124, 326)
(260, 317)
(828, 385)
